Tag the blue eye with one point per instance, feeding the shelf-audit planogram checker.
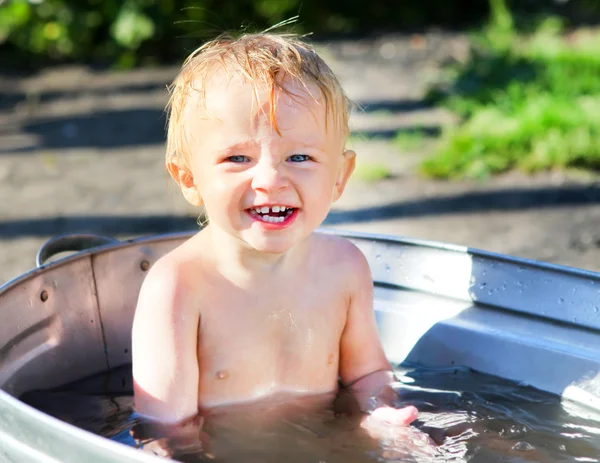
(299, 157)
(237, 159)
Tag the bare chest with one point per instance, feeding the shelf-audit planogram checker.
(250, 345)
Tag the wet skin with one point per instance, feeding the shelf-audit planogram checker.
(254, 307)
(273, 336)
(275, 342)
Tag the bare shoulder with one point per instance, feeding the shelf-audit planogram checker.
(343, 256)
(168, 282)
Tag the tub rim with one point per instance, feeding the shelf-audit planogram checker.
(376, 237)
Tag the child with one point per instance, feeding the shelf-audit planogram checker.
(257, 304)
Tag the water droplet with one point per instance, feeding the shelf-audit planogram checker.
(519, 283)
(561, 300)
(574, 319)
(523, 447)
(484, 272)
(387, 268)
(574, 290)
(482, 285)
(517, 430)
(428, 278)
(596, 310)
(378, 256)
(503, 287)
(520, 269)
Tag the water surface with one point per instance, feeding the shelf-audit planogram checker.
(470, 417)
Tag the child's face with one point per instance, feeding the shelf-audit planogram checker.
(240, 166)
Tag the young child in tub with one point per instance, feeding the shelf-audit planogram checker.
(258, 304)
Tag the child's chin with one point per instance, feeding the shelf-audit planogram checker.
(269, 249)
(271, 246)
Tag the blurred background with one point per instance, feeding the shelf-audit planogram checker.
(476, 122)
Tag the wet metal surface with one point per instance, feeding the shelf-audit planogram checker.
(436, 305)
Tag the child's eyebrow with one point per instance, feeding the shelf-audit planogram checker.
(311, 143)
(240, 146)
(249, 144)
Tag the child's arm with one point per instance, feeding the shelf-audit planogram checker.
(164, 347)
(364, 369)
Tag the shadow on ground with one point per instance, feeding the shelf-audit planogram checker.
(127, 127)
(9, 100)
(471, 202)
(102, 129)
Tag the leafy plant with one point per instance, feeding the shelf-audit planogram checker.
(526, 101)
(409, 141)
(371, 172)
(136, 32)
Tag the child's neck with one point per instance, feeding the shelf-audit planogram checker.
(242, 264)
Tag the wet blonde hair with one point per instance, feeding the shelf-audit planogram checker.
(262, 60)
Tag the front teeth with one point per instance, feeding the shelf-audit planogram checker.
(263, 213)
(267, 209)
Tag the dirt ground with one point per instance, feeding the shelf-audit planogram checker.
(82, 150)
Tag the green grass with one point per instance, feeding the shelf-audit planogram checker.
(409, 141)
(371, 172)
(526, 101)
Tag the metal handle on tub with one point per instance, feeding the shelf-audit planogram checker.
(75, 242)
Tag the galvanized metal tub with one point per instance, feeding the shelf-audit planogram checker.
(436, 305)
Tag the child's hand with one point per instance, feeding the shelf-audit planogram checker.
(385, 417)
(173, 440)
(398, 440)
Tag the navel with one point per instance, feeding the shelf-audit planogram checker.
(222, 374)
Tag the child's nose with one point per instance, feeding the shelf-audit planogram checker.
(269, 176)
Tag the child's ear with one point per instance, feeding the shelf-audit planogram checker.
(184, 178)
(344, 172)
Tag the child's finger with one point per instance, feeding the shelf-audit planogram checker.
(394, 416)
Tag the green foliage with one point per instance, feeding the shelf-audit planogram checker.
(131, 27)
(409, 141)
(126, 32)
(58, 29)
(371, 172)
(530, 102)
(136, 32)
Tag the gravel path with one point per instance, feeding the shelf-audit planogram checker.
(82, 150)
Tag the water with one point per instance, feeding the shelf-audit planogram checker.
(470, 417)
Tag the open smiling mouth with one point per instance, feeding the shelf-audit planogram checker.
(273, 214)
